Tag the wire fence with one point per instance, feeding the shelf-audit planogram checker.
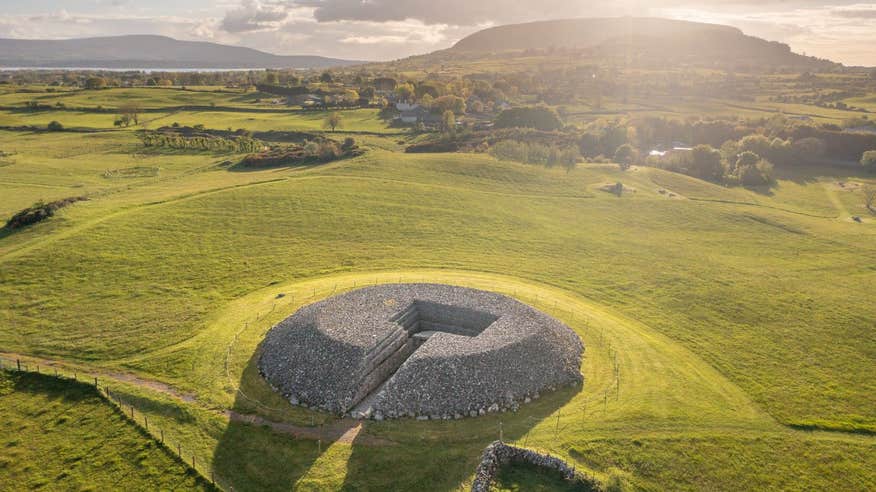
(173, 446)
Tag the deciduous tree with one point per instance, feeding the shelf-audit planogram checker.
(333, 121)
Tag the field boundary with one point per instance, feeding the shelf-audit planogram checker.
(127, 410)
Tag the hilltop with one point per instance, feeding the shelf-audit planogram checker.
(639, 39)
(147, 51)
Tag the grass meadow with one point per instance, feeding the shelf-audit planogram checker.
(728, 332)
(60, 435)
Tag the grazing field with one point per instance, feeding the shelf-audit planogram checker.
(727, 331)
(60, 435)
(145, 98)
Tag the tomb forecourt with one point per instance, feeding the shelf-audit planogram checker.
(426, 351)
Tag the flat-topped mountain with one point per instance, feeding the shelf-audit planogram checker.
(147, 51)
(633, 37)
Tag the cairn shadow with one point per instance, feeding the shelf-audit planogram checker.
(270, 444)
(439, 455)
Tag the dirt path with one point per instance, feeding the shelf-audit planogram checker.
(347, 431)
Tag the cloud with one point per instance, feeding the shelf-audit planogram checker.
(253, 15)
(860, 11)
(456, 12)
(844, 30)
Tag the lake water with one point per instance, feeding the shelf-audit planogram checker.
(121, 70)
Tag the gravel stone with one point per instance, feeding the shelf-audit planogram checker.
(419, 349)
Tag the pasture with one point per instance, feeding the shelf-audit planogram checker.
(60, 435)
(727, 331)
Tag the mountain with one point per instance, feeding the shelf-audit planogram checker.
(145, 51)
(639, 37)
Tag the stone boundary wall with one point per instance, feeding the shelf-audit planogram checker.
(499, 454)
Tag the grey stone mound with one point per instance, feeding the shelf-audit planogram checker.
(426, 351)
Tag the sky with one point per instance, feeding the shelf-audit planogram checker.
(844, 31)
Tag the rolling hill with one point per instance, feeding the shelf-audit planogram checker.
(147, 51)
(631, 38)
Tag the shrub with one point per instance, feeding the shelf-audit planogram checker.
(39, 211)
(311, 148)
(625, 156)
(328, 151)
(55, 126)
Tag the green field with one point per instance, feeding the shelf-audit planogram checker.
(60, 435)
(739, 320)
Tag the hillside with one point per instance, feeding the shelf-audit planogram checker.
(721, 324)
(147, 51)
(633, 38)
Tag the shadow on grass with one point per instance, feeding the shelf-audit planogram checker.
(303, 164)
(264, 450)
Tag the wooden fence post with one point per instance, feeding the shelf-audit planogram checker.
(146, 423)
(179, 449)
(95, 382)
(18, 361)
(162, 436)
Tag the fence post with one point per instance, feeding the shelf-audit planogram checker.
(162, 436)
(18, 361)
(132, 412)
(193, 463)
(38, 368)
(146, 423)
(179, 449)
(95, 382)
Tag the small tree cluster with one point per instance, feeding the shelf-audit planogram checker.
(39, 211)
(535, 153)
(538, 117)
(213, 144)
(128, 114)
